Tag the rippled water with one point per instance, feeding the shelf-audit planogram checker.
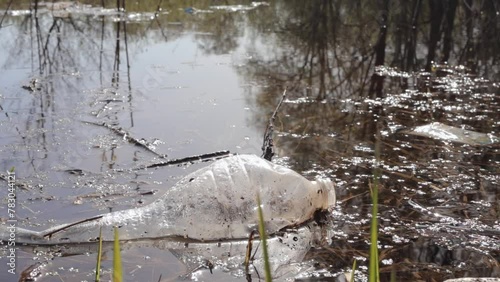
(89, 96)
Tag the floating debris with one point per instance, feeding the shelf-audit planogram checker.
(126, 136)
(239, 8)
(214, 203)
(33, 85)
(390, 71)
(17, 13)
(445, 132)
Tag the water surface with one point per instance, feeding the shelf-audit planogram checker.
(188, 80)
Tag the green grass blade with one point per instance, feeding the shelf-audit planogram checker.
(393, 275)
(373, 267)
(99, 255)
(373, 270)
(117, 259)
(353, 270)
(263, 238)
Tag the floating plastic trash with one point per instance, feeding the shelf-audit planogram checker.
(214, 203)
(445, 132)
(238, 8)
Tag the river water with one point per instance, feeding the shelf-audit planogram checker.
(91, 94)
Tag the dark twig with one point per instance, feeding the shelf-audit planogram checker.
(155, 19)
(17, 184)
(202, 157)
(26, 274)
(268, 145)
(158, 9)
(248, 254)
(70, 225)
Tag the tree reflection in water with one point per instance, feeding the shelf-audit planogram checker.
(327, 54)
(354, 70)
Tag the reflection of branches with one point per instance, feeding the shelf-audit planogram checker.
(317, 59)
(116, 66)
(116, 63)
(43, 48)
(223, 33)
(160, 26)
(5, 13)
(410, 49)
(324, 53)
(155, 20)
(377, 82)
(158, 9)
(49, 56)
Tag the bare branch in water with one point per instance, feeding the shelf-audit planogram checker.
(18, 184)
(268, 145)
(248, 255)
(203, 157)
(125, 135)
(70, 225)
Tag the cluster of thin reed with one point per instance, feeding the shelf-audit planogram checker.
(117, 259)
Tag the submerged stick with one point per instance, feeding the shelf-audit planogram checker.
(49, 234)
(268, 145)
(201, 157)
(125, 135)
(17, 183)
(248, 255)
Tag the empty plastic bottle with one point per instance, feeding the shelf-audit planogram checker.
(213, 203)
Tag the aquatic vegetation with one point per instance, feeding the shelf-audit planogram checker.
(117, 259)
(373, 270)
(99, 258)
(353, 271)
(263, 239)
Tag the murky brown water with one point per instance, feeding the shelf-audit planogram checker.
(189, 80)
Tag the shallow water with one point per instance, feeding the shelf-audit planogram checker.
(189, 80)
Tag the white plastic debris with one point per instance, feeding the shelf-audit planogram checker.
(213, 203)
(445, 132)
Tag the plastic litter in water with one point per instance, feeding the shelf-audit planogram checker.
(445, 132)
(213, 203)
(238, 8)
